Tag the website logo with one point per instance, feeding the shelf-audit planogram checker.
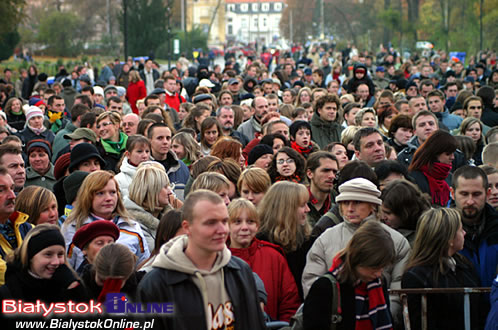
(117, 303)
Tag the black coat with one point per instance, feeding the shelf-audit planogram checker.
(163, 285)
(445, 311)
(26, 135)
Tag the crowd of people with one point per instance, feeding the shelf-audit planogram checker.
(261, 193)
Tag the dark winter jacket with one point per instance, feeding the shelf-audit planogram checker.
(323, 132)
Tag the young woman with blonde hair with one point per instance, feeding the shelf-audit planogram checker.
(99, 198)
(39, 203)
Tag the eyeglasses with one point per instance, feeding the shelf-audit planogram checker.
(131, 124)
(282, 161)
(104, 124)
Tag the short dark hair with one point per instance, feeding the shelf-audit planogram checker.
(357, 169)
(86, 89)
(297, 125)
(401, 120)
(384, 168)
(114, 99)
(327, 98)
(88, 119)
(437, 93)
(79, 110)
(469, 172)
(151, 97)
(85, 99)
(52, 98)
(363, 132)
(7, 149)
(153, 126)
(313, 161)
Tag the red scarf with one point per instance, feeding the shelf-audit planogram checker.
(371, 310)
(294, 178)
(301, 150)
(436, 175)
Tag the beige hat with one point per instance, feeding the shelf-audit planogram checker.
(359, 189)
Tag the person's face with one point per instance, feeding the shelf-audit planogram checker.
(110, 93)
(280, 128)
(287, 97)
(272, 105)
(115, 106)
(341, 154)
(182, 113)
(334, 88)
(250, 195)
(277, 145)
(36, 122)
(385, 101)
(98, 98)
(286, 166)
(424, 127)
(7, 196)
(474, 131)
(458, 68)
(91, 250)
(208, 230)
(457, 243)
(139, 154)
(304, 97)
(474, 108)
(170, 85)
(350, 116)
(303, 137)
(164, 194)
(363, 92)
(201, 118)
(412, 91)
(303, 116)
(368, 274)
(211, 135)
(15, 167)
(372, 149)
(160, 141)
(16, 105)
(263, 161)
(355, 211)
(38, 159)
(322, 178)
(45, 263)
(105, 200)
(310, 112)
(49, 214)
(493, 186)
(178, 149)
(425, 89)
(459, 113)
(148, 65)
(436, 104)
(368, 120)
(154, 102)
(234, 88)
(261, 107)
(470, 197)
(403, 135)
(130, 125)
(226, 119)
(268, 88)
(446, 158)
(359, 74)
(226, 99)
(328, 112)
(257, 92)
(89, 165)
(452, 91)
(302, 211)
(107, 129)
(58, 105)
(418, 104)
(243, 229)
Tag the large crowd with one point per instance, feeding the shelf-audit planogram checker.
(292, 189)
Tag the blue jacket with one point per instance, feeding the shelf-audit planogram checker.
(492, 321)
(482, 251)
(449, 120)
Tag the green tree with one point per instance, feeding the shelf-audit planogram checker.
(11, 13)
(146, 26)
(60, 33)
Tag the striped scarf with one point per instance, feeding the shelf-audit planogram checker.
(371, 309)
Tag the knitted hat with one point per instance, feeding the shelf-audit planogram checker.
(89, 232)
(83, 152)
(121, 91)
(34, 101)
(43, 240)
(61, 165)
(82, 133)
(108, 88)
(257, 152)
(72, 183)
(39, 143)
(359, 189)
(32, 112)
(98, 90)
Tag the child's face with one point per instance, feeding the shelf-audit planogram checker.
(303, 137)
(360, 74)
(303, 116)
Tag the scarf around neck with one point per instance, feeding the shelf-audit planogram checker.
(303, 151)
(371, 310)
(294, 178)
(37, 131)
(436, 175)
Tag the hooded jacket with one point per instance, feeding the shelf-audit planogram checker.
(229, 285)
(323, 132)
(125, 176)
(328, 244)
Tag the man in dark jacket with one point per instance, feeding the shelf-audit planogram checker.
(325, 127)
(208, 287)
(480, 221)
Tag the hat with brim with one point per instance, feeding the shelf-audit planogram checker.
(108, 88)
(202, 97)
(83, 152)
(206, 83)
(82, 133)
(359, 189)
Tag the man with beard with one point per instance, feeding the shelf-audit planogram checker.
(321, 170)
(480, 220)
(253, 125)
(226, 117)
(13, 225)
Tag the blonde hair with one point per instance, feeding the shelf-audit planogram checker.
(360, 114)
(146, 185)
(33, 200)
(237, 206)
(190, 145)
(256, 179)
(212, 181)
(347, 135)
(94, 182)
(277, 211)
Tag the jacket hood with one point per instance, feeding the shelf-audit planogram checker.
(140, 214)
(360, 65)
(172, 256)
(127, 169)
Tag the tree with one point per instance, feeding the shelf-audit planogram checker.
(11, 13)
(60, 32)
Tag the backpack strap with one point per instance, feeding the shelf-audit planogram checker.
(332, 217)
(336, 302)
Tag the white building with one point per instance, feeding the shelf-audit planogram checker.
(253, 20)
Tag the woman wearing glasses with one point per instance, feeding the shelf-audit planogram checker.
(287, 165)
(112, 143)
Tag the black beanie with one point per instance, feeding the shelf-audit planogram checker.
(258, 151)
(43, 240)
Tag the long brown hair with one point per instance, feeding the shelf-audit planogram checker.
(439, 142)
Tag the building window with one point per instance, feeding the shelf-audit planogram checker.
(264, 22)
(255, 22)
(277, 6)
(230, 8)
(254, 7)
(230, 20)
(244, 23)
(265, 7)
(243, 7)
(230, 31)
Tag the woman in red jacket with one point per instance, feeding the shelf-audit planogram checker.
(264, 258)
(136, 90)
